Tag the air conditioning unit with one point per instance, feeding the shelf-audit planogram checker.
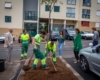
(8, 5)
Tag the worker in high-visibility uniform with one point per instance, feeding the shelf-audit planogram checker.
(51, 46)
(36, 50)
(24, 44)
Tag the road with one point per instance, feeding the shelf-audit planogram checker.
(67, 54)
(67, 50)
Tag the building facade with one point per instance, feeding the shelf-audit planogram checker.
(20, 14)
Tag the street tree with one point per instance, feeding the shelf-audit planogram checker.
(50, 4)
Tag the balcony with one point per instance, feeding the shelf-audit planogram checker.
(30, 15)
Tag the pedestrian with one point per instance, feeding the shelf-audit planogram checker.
(77, 44)
(9, 45)
(50, 46)
(95, 37)
(25, 41)
(61, 42)
(36, 50)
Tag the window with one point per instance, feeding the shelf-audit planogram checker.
(47, 7)
(56, 8)
(86, 13)
(30, 15)
(98, 13)
(70, 12)
(85, 23)
(7, 18)
(71, 2)
(87, 3)
(97, 24)
(8, 5)
(98, 1)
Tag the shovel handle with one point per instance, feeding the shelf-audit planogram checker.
(53, 64)
(30, 59)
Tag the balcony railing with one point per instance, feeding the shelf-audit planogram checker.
(87, 4)
(30, 15)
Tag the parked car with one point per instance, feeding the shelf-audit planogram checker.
(20, 38)
(90, 59)
(99, 32)
(2, 38)
(69, 33)
(86, 35)
(54, 35)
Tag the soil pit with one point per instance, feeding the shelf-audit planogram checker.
(62, 73)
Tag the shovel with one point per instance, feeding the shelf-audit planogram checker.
(27, 67)
(53, 65)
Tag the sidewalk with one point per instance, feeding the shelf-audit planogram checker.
(10, 71)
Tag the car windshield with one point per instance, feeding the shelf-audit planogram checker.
(71, 31)
(55, 32)
(87, 32)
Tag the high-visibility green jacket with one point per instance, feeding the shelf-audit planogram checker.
(53, 48)
(25, 37)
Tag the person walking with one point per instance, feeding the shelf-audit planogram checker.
(77, 44)
(95, 37)
(9, 45)
(25, 41)
(61, 42)
(51, 46)
(36, 50)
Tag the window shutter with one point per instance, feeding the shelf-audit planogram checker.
(9, 19)
(47, 7)
(6, 19)
(56, 8)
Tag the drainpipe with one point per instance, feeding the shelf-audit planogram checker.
(38, 18)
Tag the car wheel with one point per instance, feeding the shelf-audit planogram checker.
(3, 42)
(68, 38)
(84, 64)
(85, 38)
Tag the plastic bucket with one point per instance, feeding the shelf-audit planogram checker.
(2, 65)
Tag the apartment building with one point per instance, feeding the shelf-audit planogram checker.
(19, 14)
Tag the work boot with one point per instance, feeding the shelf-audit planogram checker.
(21, 58)
(46, 68)
(25, 57)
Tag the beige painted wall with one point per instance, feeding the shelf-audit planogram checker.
(58, 21)
(61, 14)
(16, 31)
(78, 12)
(82, 28)
(16, 13)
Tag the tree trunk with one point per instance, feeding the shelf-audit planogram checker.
(49, 28)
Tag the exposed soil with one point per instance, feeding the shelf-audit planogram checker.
(62, 73)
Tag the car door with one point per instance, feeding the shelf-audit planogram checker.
(95, 61)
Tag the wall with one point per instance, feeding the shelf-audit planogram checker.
(16, 13)
(82, 28)
(62, 13)
(78, 12)
(16, 32)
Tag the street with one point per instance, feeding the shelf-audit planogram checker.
(67, 50)
(67, 55)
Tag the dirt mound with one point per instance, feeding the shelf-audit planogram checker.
(62, 73)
